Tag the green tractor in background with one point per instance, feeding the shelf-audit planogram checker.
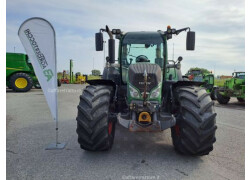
(144, 91)
(208, 79)
(233, 87)
(20, 75)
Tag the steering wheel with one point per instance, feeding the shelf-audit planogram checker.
(142, 58)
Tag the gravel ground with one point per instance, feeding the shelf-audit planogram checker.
(30, 129)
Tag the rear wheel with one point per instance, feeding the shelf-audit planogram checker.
(213, 94)
(21, 82)
(221, 98)
(241, 99)
(94, 127)
(194, 132)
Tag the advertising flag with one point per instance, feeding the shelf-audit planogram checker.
(38, 38)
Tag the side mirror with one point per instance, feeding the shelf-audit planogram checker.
(190, 42)
(99, 41)
(180, 59)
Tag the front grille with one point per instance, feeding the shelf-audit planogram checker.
(136, 75)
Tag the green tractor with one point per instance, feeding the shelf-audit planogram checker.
(233, 87)
(207, 78)
(144, 91)
(20, 75)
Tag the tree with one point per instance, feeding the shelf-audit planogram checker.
(203, 70)
(96, 72)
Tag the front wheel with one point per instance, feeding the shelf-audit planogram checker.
(95, 129)
(221, 98)
(194, 132)
(21, 82)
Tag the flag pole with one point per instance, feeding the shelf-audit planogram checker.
(56, 145)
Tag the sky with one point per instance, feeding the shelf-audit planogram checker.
(219, 27)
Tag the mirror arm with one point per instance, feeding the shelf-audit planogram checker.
(107, 31)
(183, 29)
(102, 30)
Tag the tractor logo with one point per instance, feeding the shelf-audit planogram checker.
(48, 73)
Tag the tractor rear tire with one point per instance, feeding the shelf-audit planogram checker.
(241, 99)
(194, 132)
(222, 99)
(94, 127)
(21, 82)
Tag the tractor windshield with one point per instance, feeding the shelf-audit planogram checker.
(141, 48)
(240, 75)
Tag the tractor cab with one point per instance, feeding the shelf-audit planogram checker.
(144, 47)
(209, 81)
(239, 75)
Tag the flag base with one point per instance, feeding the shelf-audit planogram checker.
(56, 146)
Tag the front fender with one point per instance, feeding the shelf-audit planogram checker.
(105, 82)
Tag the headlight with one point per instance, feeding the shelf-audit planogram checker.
(133, 92)
(155, 93)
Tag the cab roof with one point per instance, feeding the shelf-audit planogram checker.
(143, 37)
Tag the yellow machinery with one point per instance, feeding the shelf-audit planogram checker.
(80, 79)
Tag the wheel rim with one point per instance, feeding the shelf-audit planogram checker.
(21, 83)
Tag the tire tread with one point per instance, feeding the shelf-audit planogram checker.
(197, 123)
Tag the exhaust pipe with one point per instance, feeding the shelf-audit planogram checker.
(111, 44)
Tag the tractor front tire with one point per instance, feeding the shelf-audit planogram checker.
(21, 82)
(222, 99)
(94, 127)
(194, 132)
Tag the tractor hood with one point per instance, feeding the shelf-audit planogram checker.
(141, 74)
